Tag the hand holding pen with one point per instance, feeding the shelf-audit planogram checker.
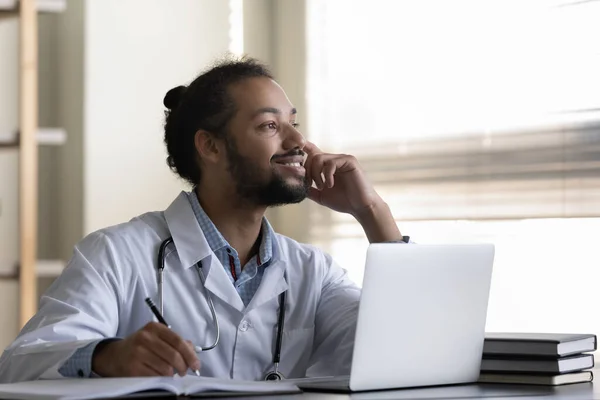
(162, 320)
(154, 350)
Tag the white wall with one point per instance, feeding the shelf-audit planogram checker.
(136, 50)
(259, 30)
(105, 67)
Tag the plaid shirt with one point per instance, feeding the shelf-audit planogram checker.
(248, 277)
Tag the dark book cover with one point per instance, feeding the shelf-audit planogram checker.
(552, 345)
(537, 366)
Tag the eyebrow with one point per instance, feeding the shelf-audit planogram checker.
(272, 110)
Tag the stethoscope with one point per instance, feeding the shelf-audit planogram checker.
(273, 375)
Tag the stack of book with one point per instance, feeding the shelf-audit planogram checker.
(537, 358)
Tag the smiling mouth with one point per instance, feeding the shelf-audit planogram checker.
(291, 164)
(294, 167)
(290, 161)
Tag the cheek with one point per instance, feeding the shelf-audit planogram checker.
(257, 162)
(259, 150)
(265, 153)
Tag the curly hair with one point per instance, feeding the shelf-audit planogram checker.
(204, 104)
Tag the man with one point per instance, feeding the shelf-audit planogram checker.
(232, 134)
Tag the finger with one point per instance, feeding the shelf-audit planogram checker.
(187, 353)
(147, 370)
(191, 345)
(318, 179)
(169, 355)
(158, 340)
(153, 365)
(311, 149)
(307, 165)
(193, 349)
(315, 170)
(328, 172)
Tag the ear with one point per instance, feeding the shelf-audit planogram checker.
(207, 146)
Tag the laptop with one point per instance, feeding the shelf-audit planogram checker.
(421, 318)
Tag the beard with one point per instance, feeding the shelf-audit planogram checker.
(254, 190)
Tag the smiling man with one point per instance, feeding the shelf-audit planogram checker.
(229, 280)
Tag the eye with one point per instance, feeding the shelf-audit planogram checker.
(269, 126)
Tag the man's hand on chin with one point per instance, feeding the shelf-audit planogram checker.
(342, 186)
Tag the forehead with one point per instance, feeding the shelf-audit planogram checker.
(253, 94)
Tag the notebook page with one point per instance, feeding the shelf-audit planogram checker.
(191, 384)
(71, 389)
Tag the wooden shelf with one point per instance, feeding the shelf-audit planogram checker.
(8, 144)
(28, 159)
(11, 7)
(8, 6)
(49, 268)
(4, 13)
(27, 141)
(44, 137)
(51, 6)
(43, 269)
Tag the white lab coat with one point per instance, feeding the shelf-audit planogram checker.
(101, 294)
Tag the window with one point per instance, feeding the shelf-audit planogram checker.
(476, 121)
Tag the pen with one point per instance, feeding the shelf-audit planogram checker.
(161, 319)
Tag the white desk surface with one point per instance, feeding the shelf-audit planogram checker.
(579, 391)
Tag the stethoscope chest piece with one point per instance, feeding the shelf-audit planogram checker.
(274, 376)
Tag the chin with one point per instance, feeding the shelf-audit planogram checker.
(285, 202)
(277, 191)
(295, 182)
(283, 193)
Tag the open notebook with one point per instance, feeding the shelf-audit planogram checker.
(95, 388)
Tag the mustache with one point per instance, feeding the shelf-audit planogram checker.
(295, 152)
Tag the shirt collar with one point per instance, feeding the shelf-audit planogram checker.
(215, 239)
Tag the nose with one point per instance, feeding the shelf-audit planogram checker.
(293, 138)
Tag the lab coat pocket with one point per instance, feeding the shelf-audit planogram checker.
(296, 350)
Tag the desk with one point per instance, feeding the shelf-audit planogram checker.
(579, 391)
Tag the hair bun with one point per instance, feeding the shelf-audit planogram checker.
(174, 96)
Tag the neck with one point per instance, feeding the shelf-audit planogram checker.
(240, 224)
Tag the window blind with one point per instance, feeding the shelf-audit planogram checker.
(474, 110)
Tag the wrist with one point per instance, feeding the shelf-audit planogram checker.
(102, 357)
(378, 222)
(368, 214)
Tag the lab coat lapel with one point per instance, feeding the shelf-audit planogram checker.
(192, 247)
(187, 235)
(272, 285)
(218, 283)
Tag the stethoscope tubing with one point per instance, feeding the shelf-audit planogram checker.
(273, 375)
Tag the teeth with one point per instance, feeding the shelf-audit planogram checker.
(294, 164)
